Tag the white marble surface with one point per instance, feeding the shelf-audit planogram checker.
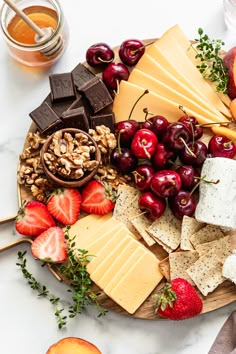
(27, 323)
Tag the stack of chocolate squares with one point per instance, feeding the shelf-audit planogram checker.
(78, 99)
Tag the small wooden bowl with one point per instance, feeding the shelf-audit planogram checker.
(70, 183)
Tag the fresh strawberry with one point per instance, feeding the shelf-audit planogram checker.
(64, 205)
(50, 246)
(33, 218)
(97, 198)
(178, 300)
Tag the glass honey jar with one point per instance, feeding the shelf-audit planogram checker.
(21, 39)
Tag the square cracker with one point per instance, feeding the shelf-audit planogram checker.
(167, 229)
(141, 223)
(180, 262)
(221, 247)
(163, 245)
(164, 267)
(206, 273)
(127, 207)
(189, 226)
(207, 234)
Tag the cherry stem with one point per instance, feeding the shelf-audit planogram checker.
(213, 123)
(187, 148)
(228, 142)
(202, 179)
(118, 141)
(145, 110)
(145, 149)
(144, 93)
(140, 214)
(140, 48)
(105, 61)
(137, 174)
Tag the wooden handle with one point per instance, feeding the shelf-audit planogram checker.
(24, 17)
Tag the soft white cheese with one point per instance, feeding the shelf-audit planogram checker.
(217, 202)
(229, 267)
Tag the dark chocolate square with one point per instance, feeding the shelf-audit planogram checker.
(62, 86)
(46, 120)
(59, 106)
(97, 94)
(81, 75)
(107, 119)
(76, 118)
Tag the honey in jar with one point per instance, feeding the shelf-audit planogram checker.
(20, 38)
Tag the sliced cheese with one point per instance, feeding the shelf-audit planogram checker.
(180, 37)
(120, 234)
(148, 82)
(229, 133)
(118, 263)
(95, 245)
(157, 104)
(83, 239)
(169, 54)
(137, 284)
(85, 224)
(123, 269)
(124, 245)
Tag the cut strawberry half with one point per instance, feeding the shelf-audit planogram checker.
(33, 218)
(98, 198)
(50, 246)
(64, 205)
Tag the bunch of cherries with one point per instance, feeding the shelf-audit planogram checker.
(149, 151)
(101, 54)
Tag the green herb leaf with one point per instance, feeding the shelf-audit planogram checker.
(211, 63)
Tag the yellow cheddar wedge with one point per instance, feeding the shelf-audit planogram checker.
(180, 37)
(137, 284)
(116, 265)
(151, 67)
(104, 264)
(120, 272)
(95, 245)
(102, 249)
(170, 55)
(157, 104)
(141, 79)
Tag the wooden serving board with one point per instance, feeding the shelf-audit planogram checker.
(222, 296)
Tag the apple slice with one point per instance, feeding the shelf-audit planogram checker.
(73, 345)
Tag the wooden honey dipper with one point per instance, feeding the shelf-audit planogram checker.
(41, 34)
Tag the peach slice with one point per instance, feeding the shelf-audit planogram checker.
(229, 62)
(73, 345)
(232, 107)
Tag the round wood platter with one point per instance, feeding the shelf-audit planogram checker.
(222, 296)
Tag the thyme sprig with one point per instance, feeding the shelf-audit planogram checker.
(74, 270)
(211, 63)
(41, 289)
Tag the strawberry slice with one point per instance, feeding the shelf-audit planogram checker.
(33, 218)
(50, 246)
(64, 205)
(97, 198)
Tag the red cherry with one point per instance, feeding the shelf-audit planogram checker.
(220, 146)
(123, 159)
(189, 176)
(153, 205)
(144, 144)
(157, 125)
(163, 157)
(182, 204)
(127, 130)
(130, 51)
(192, 124)
(165, 183)
(113, 74)
(99, 54)
(194, 153)
(142, 177)
(176, 136)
